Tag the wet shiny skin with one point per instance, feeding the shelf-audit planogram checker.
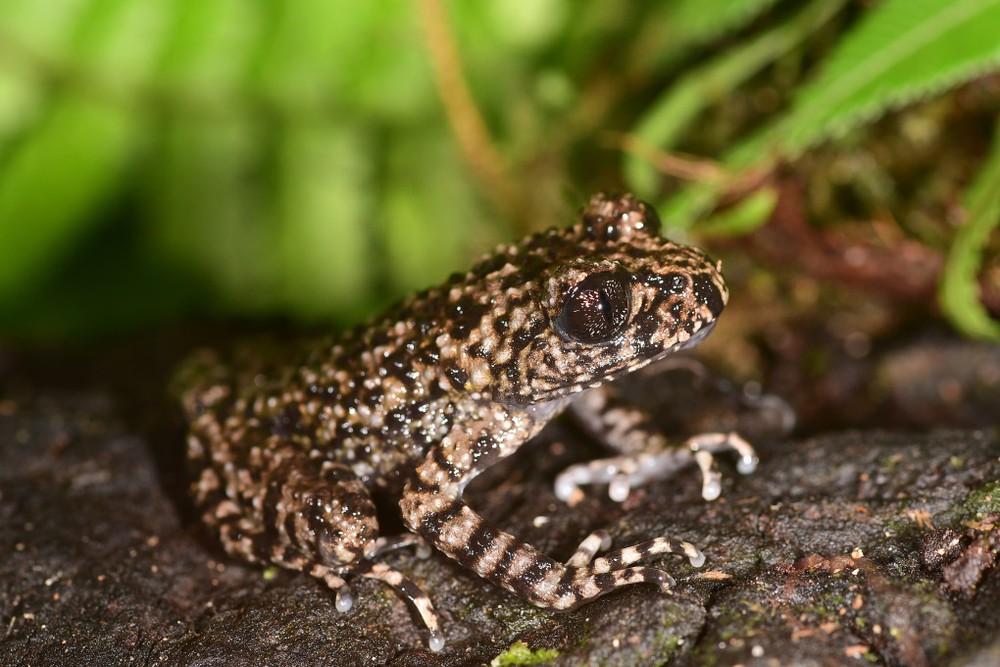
(289, 441)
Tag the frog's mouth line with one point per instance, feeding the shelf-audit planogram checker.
(695, 339)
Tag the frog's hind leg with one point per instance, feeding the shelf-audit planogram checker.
(325, 514)
(314, 516)
(301, 513)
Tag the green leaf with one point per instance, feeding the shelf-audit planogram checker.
(427, 216)
(72, 162)
(314, 49)
(21, 102)
(901, 50)
(52, 185)
(393, 85)
(700, 21)
(526, 26)
(117, 42)
(323, 207)
(208, 50)
(42, 28)
(207, 213)
(675, 111)
(959, 288)
(744, 216)
(670, 31)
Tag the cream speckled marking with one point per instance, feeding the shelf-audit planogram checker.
(288, 442)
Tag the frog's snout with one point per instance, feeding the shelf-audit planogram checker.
(710, 291)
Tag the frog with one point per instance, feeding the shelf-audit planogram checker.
(291, 443)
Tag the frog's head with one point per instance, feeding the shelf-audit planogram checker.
(590, 303)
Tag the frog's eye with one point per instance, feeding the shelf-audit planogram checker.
(596, 308)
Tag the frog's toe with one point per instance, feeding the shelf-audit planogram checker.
(706, 444)
(711, 479)
(657, 547)
(384, 545)
(344, 599)
(626, 557)
(597, 541)
(620, 473)
(404, 587)
(726, 442)
(626, 472)
(410, 592)
(585, 581)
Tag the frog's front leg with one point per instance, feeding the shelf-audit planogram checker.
(431, 506)
(644, 454)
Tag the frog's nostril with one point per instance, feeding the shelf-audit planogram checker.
(708, 292)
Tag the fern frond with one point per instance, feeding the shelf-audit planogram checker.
(902, 50)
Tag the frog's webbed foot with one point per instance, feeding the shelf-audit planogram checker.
(623, 473)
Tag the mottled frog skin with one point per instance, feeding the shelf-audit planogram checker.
(289, 445)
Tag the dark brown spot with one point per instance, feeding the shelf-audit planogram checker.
(288, 421)
(706, 292)
(457, 376)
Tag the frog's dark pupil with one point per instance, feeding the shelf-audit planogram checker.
(596, 309)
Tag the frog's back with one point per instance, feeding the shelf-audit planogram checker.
(373, 398)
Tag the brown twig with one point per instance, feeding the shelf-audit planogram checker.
(473, 138)
(672, 164)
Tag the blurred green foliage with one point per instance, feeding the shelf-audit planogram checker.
(314, 159)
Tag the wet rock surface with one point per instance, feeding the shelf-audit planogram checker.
(854, 547)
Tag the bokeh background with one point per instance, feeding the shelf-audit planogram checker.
(179, 173)
(185, 160)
